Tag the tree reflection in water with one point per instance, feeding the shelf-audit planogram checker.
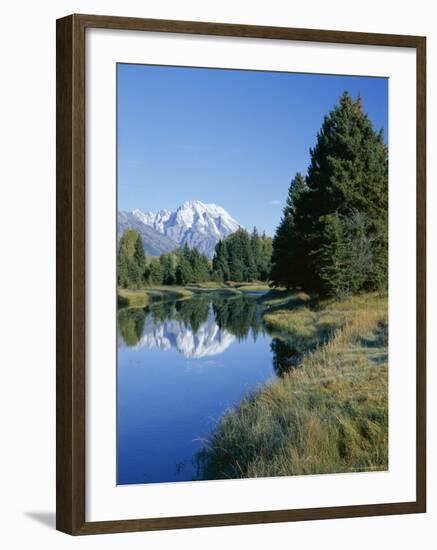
(286, 356)
(131, 325)
(239, 317)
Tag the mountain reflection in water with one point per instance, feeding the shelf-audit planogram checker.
(196, 327)
(201, 327)
(207, 340)
(181, 365)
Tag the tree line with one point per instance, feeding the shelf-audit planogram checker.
(242, 257)
(183, 266)
(239, 257)
(239, 316)
(333, 235)
(332, 238)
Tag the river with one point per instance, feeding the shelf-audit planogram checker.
(181, 365)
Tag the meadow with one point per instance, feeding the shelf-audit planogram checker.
(328, 414)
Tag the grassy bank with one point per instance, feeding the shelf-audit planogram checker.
(252, 287)
(329, 415)
(132, 298)
(145, 296)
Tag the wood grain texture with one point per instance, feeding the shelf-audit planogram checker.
(71, 271)
(247, 31)
(70, 278)
(246, 518)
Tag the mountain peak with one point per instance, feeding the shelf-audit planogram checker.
(196, 223)
(210, 209)
(193, 204)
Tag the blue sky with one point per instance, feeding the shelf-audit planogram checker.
(234, 138)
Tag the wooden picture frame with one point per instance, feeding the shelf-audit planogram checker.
(71, 254)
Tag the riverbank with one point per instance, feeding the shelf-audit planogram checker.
(140, 298)
(327, 415)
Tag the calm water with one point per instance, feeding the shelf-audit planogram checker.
(180, 366)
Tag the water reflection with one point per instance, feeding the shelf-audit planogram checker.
(286, 356)
(201, 327)
(238, 316)
(206, 340)
(181, 365)
(131, 325)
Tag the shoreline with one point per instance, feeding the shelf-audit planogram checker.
(141, 298)
(327, 414)
(327, 411)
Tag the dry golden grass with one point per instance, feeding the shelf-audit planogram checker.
(144, 296)
(329, 415)
(132, 298)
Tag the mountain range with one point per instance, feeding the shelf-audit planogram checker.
(194, 223)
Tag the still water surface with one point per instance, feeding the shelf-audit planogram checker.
(181, 365)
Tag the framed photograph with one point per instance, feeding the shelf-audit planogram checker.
(240, 274)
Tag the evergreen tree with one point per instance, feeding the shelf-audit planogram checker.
(156, 274)
(361, 245)
(348, 167)
(265, 258)
(250, 272)
(131, 260)
(242, 257)
(122, 269)
(168, 265)
(284, 256)
(220, 262)
(199, 266)
(256, 245)
(334, 236)
(348, 174)
(333, 256)
(241, 264)
(235, 251)
(139, 256)
(184, 273)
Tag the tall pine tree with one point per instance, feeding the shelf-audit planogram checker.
(285, 250)
(349, 174)
(339, 232)
(220, 262)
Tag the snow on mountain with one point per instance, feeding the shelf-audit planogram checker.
(156, 221)
(198, 224)
(155, 242)
(146, 217)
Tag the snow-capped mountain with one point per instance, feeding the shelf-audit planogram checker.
(208, 340)
(155, 243)
(198, 224)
